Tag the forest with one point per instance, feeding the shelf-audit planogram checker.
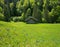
(38, 11)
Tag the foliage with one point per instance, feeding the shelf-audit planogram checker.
(1, 10)
(58, 20)
(28, 13)
(50, 9)
(1, 17)
(17, 19)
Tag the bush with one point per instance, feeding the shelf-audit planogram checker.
(1, 9)
(17, 19)
(1, 17)
(54, 14)
(44, 20)
(58, 20)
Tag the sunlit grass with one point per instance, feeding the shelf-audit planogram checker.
(20, 34)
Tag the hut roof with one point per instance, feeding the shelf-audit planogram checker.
(30, 17)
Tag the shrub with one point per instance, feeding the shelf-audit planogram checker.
(54, 14)
(58, 20)
(17, 19)
(1, 17)
(44, 20)
(0, 9)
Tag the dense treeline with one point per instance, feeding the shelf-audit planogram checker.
(45, 11)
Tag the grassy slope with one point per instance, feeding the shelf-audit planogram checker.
(29, 35)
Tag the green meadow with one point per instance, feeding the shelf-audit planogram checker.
(19, 34)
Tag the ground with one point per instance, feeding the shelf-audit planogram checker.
(20, 34)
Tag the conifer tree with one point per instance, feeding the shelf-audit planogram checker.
(45, 11)
(37, 13)
(7, 10)
(28, 13)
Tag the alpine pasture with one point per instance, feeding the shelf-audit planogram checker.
(19, 34)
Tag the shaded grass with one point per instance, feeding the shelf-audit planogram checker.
(20, 34)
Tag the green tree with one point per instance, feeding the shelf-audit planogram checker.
(14, 7)
(55, 14)
(7, 10)
(37, 13)
(28, 13)
(45, 11)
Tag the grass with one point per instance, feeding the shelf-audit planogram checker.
(29, 35)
